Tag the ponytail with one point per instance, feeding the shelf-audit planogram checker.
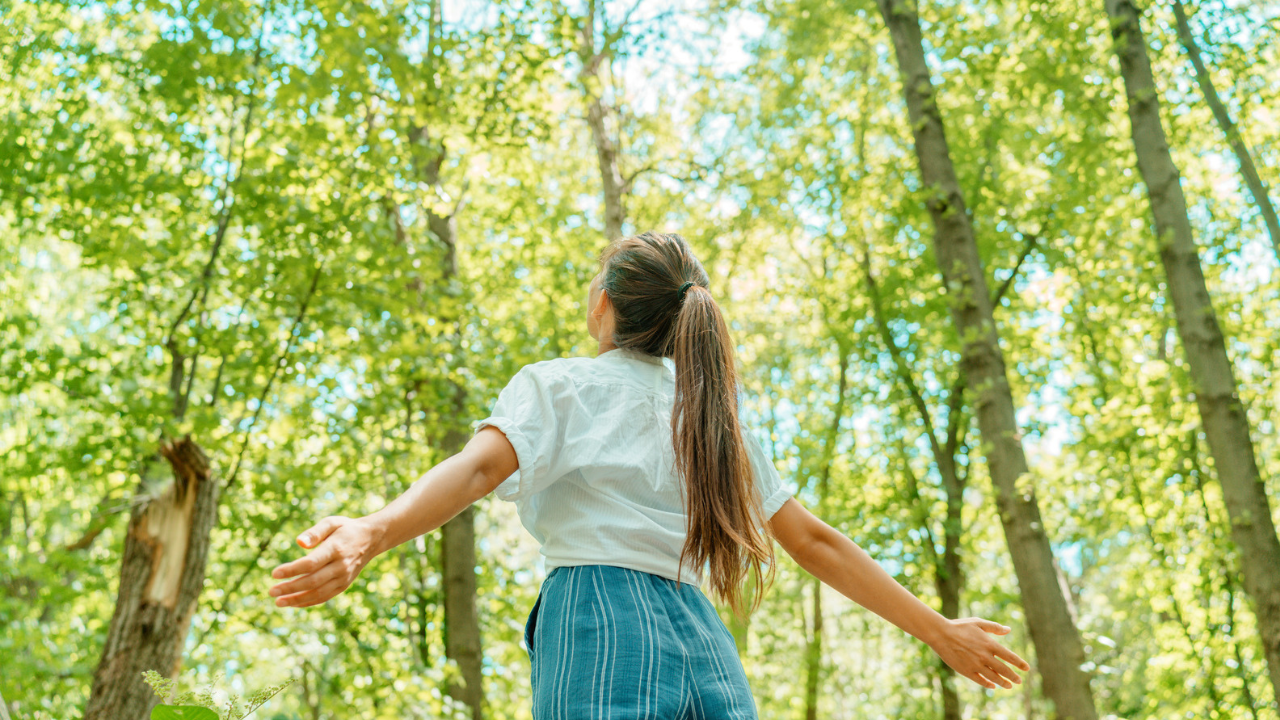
(663, 307)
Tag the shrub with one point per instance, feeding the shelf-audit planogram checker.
(200, 704)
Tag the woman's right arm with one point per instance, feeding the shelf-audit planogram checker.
(342, 546)
(836, 560)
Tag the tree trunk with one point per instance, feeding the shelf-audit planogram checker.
(612, 182)
(1251, 178)
(1221, 412)
(161, 576)
(813, 651)
(461, 621)
(462, 642)
(947, 577)
(1196, 471)
(813, 656)
(1057, 641)
(949, 582)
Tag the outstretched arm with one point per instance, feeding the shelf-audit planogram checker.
(342, 546)
(836, 560)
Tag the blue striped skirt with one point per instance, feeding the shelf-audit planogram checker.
(609, 643)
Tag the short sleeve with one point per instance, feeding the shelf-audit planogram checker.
(530, 411)
(772, 492)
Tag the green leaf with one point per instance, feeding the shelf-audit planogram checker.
(183, 712)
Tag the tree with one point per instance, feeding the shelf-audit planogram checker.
(1059, 651)
(163, 564)
(1222, 414)
(1257, 188)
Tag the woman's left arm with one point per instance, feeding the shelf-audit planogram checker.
(342, 546)
(828, 555)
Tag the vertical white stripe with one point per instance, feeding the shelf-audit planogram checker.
(646, 597)
(611, 641)
(709, 644)
(560, 641)
(595, 666)
(684, 694)
(573, 644)
(644, 641)
(566, 621)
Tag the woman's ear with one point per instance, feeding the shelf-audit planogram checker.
(602, 305)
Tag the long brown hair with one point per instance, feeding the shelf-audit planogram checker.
(663, 307)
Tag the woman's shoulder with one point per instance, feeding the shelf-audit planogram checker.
(576, 372)
(557, 367)
(560, 372)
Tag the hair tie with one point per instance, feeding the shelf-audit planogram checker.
(684, 289)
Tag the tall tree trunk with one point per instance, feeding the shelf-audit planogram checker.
(1221, 412)
(948, 577)
(461, 632)
(462, 641)
(161, 576)
(1196, 471)
(598, 119)
(813, 650)
(813, 655)
(1057, 641)
(1251, 178)
(948, 580)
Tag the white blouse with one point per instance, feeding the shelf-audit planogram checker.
(597, 483)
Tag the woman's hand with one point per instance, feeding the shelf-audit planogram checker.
(967, 646)
(341, 548)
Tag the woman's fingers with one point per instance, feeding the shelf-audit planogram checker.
(306, 582)
(1013, 658)
(314, 560)
(978, 678)
(314, 596)
(1001, 673)
(317, 533)
(991, 627)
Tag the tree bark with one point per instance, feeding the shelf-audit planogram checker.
(161, 576)
(611, 180)
(1196, 471)
(1222, 414)
(1251, 177)
(1057, 641)
(462, 642)
(167, 542)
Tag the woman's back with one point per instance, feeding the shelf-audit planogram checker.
(597, 483)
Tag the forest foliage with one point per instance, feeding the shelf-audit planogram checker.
(224, 220)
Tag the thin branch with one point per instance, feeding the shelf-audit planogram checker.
(201, 289)
(922, 512)
(895, 352)
(249, 567)
(1031, 240)
(295, 330)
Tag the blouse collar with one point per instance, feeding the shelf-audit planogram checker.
(631, 354)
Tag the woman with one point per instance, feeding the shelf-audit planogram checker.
(634, 479)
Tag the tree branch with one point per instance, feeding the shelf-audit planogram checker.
(295, 330)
